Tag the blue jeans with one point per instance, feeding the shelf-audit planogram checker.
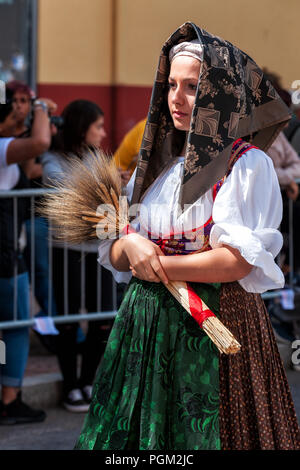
(41, 263)
(16, 339)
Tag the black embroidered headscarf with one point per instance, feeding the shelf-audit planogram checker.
(234, 99)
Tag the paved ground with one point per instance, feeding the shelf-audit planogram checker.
(61, 428)
(58, 432)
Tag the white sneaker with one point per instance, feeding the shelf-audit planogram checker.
(87, 393)
(75, 402)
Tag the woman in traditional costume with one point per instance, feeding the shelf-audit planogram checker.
(208, 193)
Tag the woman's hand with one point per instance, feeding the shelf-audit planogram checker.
(222, 264)
(143, 256)
(52, 107)
(292, 190)
(125, 176)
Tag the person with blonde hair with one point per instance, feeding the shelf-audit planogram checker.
(126, 155)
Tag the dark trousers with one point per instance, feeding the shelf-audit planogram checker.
(98, 331)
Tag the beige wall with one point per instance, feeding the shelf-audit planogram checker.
(74, 41)
(266, 29)
(75, 36)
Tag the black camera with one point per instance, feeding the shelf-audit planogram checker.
(57, 121)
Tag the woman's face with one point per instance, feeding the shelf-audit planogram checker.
(183, 80)
(22, 105)
(95, 133)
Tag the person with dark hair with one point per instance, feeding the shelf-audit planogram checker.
(287, 166)
(22, 98)
(12, 152)
(209, 208)
(82, 131)
(83, 126)
(285, 154)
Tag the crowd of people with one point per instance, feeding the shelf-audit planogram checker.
(34, 152)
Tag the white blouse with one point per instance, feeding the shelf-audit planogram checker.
(9, 174)
(246, 212)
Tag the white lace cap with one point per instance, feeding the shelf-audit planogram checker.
(188, 48)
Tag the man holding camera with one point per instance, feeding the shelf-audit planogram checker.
(13, 152)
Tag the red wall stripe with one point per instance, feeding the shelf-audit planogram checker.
(123, 106)
(131, 105)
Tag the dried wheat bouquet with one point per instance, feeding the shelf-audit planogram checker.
(88, 204)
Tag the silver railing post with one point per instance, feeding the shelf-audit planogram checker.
(32, 254)
(66, 281)
(15, 225)
(291, 246)
(50, 270)
(82, 281)
(99, 287)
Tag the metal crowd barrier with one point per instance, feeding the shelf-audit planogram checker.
(67, 317)
(291, 277)
(291, 240)
(99, 315)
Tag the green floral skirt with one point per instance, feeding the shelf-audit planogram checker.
(157, 387)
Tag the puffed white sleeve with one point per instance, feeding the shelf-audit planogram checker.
(105, 246)
(247, 213)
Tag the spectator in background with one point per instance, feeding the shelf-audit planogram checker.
(126, 155)
(83, 130)
(285, 155)
(22, 99)
(13, 151)
(292, 130)
(287, 166)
